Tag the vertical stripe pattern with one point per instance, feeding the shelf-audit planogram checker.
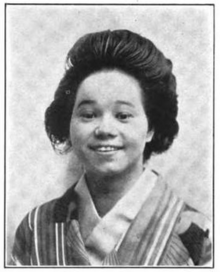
(63, 244)
(148, 234)
(42, 240)
(166, 226)
(57, 244)
(29, 221)
(36, 236)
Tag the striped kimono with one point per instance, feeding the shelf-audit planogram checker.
(147, 227)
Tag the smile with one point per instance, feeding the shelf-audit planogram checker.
(108, 148)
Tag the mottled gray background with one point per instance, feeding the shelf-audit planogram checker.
(38, 38)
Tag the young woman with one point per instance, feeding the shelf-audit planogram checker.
(115, 106)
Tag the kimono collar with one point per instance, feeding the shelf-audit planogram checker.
(101, 235)
(88, 216)
(66, 207)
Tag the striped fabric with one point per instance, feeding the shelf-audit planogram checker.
(177, 253)
(111, 259)
(50, 235)
(148, 235)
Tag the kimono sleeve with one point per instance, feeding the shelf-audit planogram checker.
(21, 251)
(195, 233)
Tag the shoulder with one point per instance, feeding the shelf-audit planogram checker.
(191, 216)
(55, 210)
(38, 225)
(194, 232)
(43, 212)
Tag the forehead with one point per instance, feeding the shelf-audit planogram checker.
(108, 86)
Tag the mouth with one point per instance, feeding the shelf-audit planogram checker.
(105, 148)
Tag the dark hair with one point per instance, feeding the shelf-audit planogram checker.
(132, 54)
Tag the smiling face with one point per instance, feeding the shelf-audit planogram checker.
(109, 127)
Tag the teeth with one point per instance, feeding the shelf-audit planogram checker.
(106, 148)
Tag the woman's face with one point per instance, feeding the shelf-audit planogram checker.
(109, 128)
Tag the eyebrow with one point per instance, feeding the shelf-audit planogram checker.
(86, 102)
(125, 103)
(92, 102)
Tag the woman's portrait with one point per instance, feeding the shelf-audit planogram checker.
(109, 135)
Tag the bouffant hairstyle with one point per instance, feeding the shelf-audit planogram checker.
(130, 53)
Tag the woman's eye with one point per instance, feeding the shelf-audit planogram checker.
(123, 116)
(87, 115)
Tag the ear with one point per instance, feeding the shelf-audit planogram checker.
(149, 136)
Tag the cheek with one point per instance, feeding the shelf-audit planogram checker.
(75, 134)
(79, 134)
(141, 139)
(136, 138)
(139, 132)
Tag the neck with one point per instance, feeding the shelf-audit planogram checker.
(106, 190)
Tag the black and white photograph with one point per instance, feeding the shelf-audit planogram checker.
(109, 135)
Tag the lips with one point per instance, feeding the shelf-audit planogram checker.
(105, 148)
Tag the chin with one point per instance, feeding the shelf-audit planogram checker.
(107, 170)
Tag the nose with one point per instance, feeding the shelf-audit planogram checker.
(106, 128)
